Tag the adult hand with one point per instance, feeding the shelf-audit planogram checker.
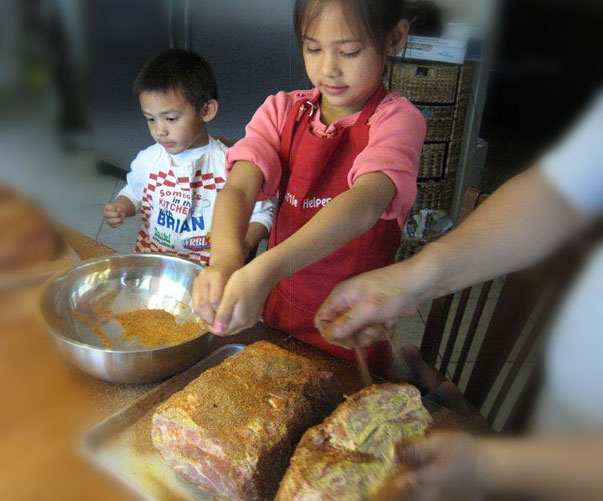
(365, 306)
(443, 467)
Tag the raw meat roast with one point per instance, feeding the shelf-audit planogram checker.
(232, 431)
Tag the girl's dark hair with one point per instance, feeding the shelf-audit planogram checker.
(179, 70)
(375, 19)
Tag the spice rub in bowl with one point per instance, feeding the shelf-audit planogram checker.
(99, 290)
(147, 328)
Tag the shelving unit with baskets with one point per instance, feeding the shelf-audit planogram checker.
(441, 92)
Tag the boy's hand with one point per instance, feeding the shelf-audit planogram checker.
(243, 299)
(115, 214)
(209, 286)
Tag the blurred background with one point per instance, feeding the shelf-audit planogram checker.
(70, 124)
(67, 67)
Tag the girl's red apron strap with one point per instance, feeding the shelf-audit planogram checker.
(371, 106)
(311, 105)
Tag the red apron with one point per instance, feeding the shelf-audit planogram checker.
(314, 171)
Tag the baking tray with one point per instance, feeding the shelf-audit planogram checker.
(121, 444)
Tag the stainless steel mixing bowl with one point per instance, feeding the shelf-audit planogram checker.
(122, 283)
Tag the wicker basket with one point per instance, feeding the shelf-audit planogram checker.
(387, 75)
(448, 186)
(439, 120)
(442, 93)
(426, 83)
(409, 247)
(433, 161)
(463, 100)
(429, 195)
(452, 159)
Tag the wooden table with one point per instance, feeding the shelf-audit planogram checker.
(47, 404)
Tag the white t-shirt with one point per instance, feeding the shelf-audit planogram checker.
(573, 395)
(176, 195)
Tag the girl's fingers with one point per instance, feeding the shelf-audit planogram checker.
(221, 324)
(215, 291)
(242, 317)
(201, 305)
(206, 312)
(249, 318)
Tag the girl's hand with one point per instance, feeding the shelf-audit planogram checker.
(438, 468)
(115, 214)
(209, 285)
(243, 299)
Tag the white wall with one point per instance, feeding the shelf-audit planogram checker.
(478, 12)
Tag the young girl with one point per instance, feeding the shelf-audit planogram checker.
(344, 159)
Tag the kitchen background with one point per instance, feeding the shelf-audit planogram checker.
(70, 125)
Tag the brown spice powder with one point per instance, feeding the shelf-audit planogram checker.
(155, 328)
(151, 328)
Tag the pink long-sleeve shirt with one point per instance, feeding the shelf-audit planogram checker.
(396, 135)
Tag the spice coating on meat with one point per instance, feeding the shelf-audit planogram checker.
(350, 455)
(232, 431)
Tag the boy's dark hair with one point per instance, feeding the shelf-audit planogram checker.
(375, 19)
(179, 70)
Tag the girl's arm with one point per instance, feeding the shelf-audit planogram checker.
(229, 227)
(260, 224)
(347, 216)
(255, 234)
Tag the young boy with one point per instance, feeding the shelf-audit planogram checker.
(175, 182)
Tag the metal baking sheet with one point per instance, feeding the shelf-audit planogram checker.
(121, 444)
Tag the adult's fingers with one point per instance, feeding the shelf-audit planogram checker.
(372, 334)
(333, 307)
(398, 488)
(390, 324)
(349, 323)
(417, 452)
